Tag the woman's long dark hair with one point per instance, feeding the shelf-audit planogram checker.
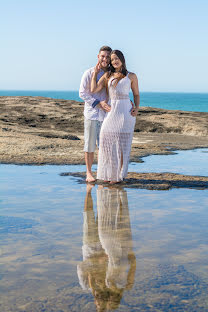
(123, 72)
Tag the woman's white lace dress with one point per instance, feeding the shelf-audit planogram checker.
(116, 133)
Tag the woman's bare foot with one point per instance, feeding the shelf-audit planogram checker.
(114, 182)
(90, 178)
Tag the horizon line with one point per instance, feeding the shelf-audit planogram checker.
(45, 90)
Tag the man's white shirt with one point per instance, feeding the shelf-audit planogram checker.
(89, 97)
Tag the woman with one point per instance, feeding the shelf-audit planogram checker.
(118, 127)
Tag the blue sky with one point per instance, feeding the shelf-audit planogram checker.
(47, 45)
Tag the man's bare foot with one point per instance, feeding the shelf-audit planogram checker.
(90, 178)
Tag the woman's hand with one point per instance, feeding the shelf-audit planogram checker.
(134, 111)
(94, 84)
(97, 68)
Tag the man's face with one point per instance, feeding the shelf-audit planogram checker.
(104, 59)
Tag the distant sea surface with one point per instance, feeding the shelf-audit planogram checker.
(196, 102)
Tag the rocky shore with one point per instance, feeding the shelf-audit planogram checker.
(150, 181)
(38, 130)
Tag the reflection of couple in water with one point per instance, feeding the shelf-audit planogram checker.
(109, 263)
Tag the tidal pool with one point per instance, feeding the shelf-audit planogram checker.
(67, 246)
(190, 162)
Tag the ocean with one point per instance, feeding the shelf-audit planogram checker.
(196, 102)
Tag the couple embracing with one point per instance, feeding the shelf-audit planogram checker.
(109, 114)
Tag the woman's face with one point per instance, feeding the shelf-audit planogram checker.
(115, 61)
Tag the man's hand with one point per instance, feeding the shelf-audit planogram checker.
(103, 105)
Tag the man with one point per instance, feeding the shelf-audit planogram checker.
(94, 110)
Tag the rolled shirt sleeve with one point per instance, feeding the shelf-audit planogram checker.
(91, 110)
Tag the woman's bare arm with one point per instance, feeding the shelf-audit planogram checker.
(97, 86)
(135, 90)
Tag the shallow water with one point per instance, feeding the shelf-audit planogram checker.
(190, 162)
(68, 248)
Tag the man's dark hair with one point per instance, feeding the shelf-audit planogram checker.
(105, 48)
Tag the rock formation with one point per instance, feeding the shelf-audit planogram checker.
(38, 130)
